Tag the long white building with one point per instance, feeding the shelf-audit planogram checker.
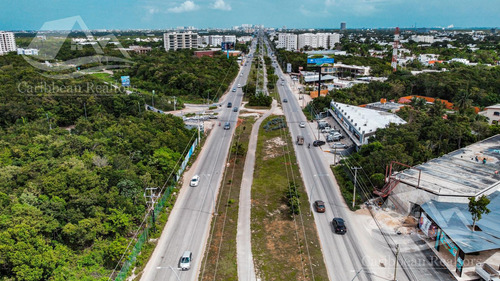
(7, 42)
(175, 40)
(287, 41)
(318, 40)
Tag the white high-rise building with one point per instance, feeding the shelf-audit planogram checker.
(318, 40)
(287, 41)
(175, 40)
(333, 39)
(7, 42)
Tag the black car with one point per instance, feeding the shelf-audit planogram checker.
(318, 143)
(339, 225)
(229, 105)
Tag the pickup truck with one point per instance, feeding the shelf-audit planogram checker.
(300, 140)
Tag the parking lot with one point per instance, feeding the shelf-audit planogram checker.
(343, 146)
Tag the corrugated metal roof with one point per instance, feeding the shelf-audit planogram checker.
(454, 219)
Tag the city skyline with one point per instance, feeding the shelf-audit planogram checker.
(154, 14)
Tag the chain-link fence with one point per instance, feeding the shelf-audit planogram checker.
(143, 237)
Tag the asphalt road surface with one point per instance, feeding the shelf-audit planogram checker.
(346, 255)
(189, 223)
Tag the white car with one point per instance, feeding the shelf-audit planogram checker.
(185, 263)
(302, 124)
(195, 180)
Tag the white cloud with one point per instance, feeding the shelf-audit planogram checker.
(221, 5)
(187, 6)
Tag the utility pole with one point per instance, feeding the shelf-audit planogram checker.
(175, 102)
(396, 262)
(198, 129)
(85, 108)
(355, 178)
(48, 120)
(153, 99)
(151, 201)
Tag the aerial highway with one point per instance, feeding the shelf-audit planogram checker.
(346, 255)
(188, 226)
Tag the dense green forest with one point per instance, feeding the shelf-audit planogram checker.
(180, 73)
(74, 162)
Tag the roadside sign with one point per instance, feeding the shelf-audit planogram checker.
(288, 67)
(125, 81)
(320, 61)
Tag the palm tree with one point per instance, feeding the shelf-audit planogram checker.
(463, 100)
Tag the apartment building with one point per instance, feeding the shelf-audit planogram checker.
(7, 42)
(175, 40)
(318, 40)
(287, 41)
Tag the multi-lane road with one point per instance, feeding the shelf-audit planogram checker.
(188, 226)
(346, 255)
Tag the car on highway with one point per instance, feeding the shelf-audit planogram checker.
(302, 124)
(319, 206)
(339, 226)
(229, 105)
(239, 85)
(195, 180)
(234, 89)
(285, 100)
(185, 263)
(318, 143)
(235, 109)
(227, 126)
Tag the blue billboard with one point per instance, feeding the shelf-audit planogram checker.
(227, 45)
(125, 81)
(320, 61)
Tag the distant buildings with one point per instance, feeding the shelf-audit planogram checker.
(343, 26)
(27, 52)
(287, 41)
(175, 40)
(7, 42)
(292, 42)
(423, 39)
(318, 40)
(215, 40)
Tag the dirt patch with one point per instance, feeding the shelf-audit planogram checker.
(273, 148)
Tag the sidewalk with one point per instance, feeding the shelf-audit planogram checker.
(246, 270)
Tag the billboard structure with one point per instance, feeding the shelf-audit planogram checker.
(125, 81)
(227, 46)
(288, 67)
(319, 61)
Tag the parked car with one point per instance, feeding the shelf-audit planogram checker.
(213, 116)
(319, 206)
(185, 263)
(235, 109)
(302, 124)
(330, 138)
(318, 143)
(339, 226)
(326, 129)
(227, 126)
(338, 145)
(195, 181)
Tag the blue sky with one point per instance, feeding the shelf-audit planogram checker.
(158, 14)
